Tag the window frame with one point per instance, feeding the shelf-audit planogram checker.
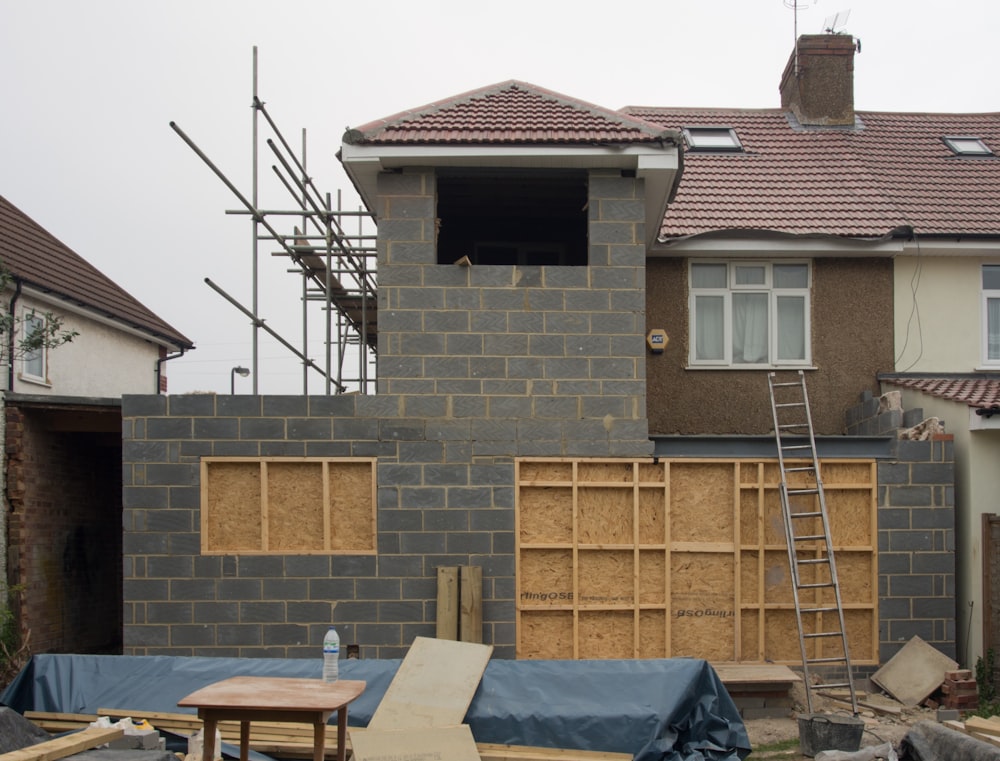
(727, 292)
(954, 143)
(29, 317)
(691, 139)
(985, 294)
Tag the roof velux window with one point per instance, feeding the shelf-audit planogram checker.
(967, 146)
(712, 139)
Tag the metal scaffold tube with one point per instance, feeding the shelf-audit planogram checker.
(335, 267)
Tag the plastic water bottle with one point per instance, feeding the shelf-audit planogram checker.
(331, 656)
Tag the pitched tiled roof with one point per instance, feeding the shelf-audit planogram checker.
(510, 112)
(975, 392)
(892, 170)
(32, 254)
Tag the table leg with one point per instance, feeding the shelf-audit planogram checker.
(341, 734)
(319, 740)
(208, 740)
(244, 741)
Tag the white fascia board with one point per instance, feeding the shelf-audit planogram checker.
(62, 305)
(951, 247)
(659, 171)
(779, 246)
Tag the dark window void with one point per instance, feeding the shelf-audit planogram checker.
(513, 218)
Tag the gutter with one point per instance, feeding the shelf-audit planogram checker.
(159, 367)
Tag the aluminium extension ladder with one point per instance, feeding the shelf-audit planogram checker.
(807, 530)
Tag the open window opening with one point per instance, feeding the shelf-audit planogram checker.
(512, 218)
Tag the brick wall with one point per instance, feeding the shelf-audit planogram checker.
(477, 365)
(64, 534)
(916, 530)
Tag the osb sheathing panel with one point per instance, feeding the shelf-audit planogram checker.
(291, 525)
(675, 571)
(232, 493)
(546, 635)
(352, 506)
(287, 505)
(701, 502)
(854, 295)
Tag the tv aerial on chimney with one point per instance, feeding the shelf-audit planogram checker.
(795, 6)
(835, 24)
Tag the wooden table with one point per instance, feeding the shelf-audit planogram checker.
(258, 698)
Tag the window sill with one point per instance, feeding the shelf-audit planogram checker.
(756, 368)
(34, 380)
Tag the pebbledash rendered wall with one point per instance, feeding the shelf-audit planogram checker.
(477, 365)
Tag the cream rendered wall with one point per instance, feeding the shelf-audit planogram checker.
(102, 361)
(937, 313)
(977, 484)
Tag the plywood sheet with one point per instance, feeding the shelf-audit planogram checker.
(914, 672)
(434, 685)
(427, 744)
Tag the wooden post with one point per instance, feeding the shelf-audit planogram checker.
(447, 602)
(470, 627)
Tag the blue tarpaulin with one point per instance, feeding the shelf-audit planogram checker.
(656, 710)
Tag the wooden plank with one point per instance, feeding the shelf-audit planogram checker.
(470, 623)
(438, 743)
(447, 602)
(434, 685)
(979, 724)
(494, 752)
(981, 736)
(61, 747)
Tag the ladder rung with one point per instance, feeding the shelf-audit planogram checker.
(803, 491)
(830, 685)
(797, 446)
(790, 404)
(783, 426)
(800, 470)
(785, 383)
(805, 515)
(823, 585)
(817, 635)
(818, 610)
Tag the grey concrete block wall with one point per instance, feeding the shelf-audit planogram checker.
(477, 365)
(916, 532)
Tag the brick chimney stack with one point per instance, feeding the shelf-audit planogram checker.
(823, 91)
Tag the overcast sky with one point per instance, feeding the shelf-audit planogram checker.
(88, 89)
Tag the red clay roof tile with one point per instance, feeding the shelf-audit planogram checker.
(892, 170)
(975, 392)
(510, 112)
(30, 252)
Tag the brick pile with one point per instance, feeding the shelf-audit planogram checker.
(959, 690)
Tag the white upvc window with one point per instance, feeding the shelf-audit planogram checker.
(749, 314)
(991, 314)
(33, 363)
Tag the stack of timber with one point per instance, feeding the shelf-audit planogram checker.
(276, 739)
(986, 730)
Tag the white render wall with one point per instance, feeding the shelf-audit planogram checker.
(102, 361)
(945, 291)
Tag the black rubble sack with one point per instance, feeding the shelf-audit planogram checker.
(927, 741)
(17, 732)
